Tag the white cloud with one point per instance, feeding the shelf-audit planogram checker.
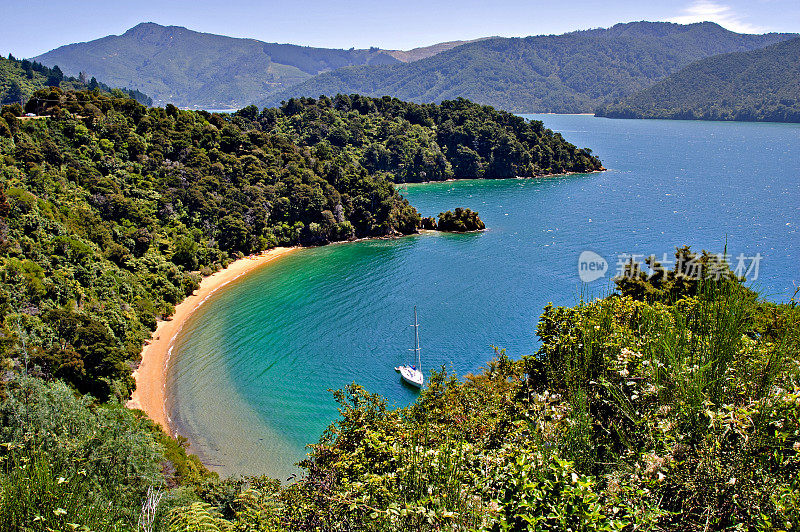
(706, 10)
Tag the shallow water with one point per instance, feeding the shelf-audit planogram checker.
(252, 368)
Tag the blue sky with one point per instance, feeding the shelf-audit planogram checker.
(34, 27)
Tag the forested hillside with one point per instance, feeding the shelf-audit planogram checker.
(193, 69)
(425, 142)
(111, 211)
(574, 72)
(760, 85)
(19, 79)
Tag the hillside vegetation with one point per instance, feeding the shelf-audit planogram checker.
(574, 72)
(760, 85)
(19, 79)
(673, 404)
(192, 69)
(412, 142)
(111, 211)
(460, 221)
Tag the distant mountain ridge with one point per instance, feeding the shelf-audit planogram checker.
(759, 85)
(423, 52)
(573, 72)
(189, 68)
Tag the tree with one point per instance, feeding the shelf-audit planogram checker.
(186, 253)
(55, 77)
(14, 93)
(250, 112)
(5, 208)
(102, 357)
(233, 234)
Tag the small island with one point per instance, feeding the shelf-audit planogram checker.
(460, 221)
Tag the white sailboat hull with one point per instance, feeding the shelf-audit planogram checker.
(411, 375)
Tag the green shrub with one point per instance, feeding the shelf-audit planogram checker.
(66, 460)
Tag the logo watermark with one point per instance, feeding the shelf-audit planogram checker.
(592, 266)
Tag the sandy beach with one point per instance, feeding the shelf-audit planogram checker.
(150, 394)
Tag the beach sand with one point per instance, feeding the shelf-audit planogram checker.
(151, 386)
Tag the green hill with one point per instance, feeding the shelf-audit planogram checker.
(19, 79)
(760, 85)
(411, 142)
(193, 69)
(574, 72)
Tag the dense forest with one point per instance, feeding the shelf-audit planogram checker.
(757, 86)
(672, 404)
(20, 78)
(112, 211)
(201, 70)
(570, 73)
(411, 142)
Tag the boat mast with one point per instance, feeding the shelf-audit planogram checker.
(416, 340)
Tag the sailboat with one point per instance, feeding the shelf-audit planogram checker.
(413, 374)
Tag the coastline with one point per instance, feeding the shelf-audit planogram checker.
(540, 176)
(151, 386)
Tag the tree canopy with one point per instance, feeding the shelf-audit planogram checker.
(19, 79)
(110, 212)
(757, 86)
(411, 142)
(460, 221)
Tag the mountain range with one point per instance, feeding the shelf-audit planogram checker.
(574, 72)
(193, 69)
(570, 73)
(759, 85)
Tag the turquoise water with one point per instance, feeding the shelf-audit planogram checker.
(252, 368)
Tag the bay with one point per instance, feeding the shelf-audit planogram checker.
(250, 372)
